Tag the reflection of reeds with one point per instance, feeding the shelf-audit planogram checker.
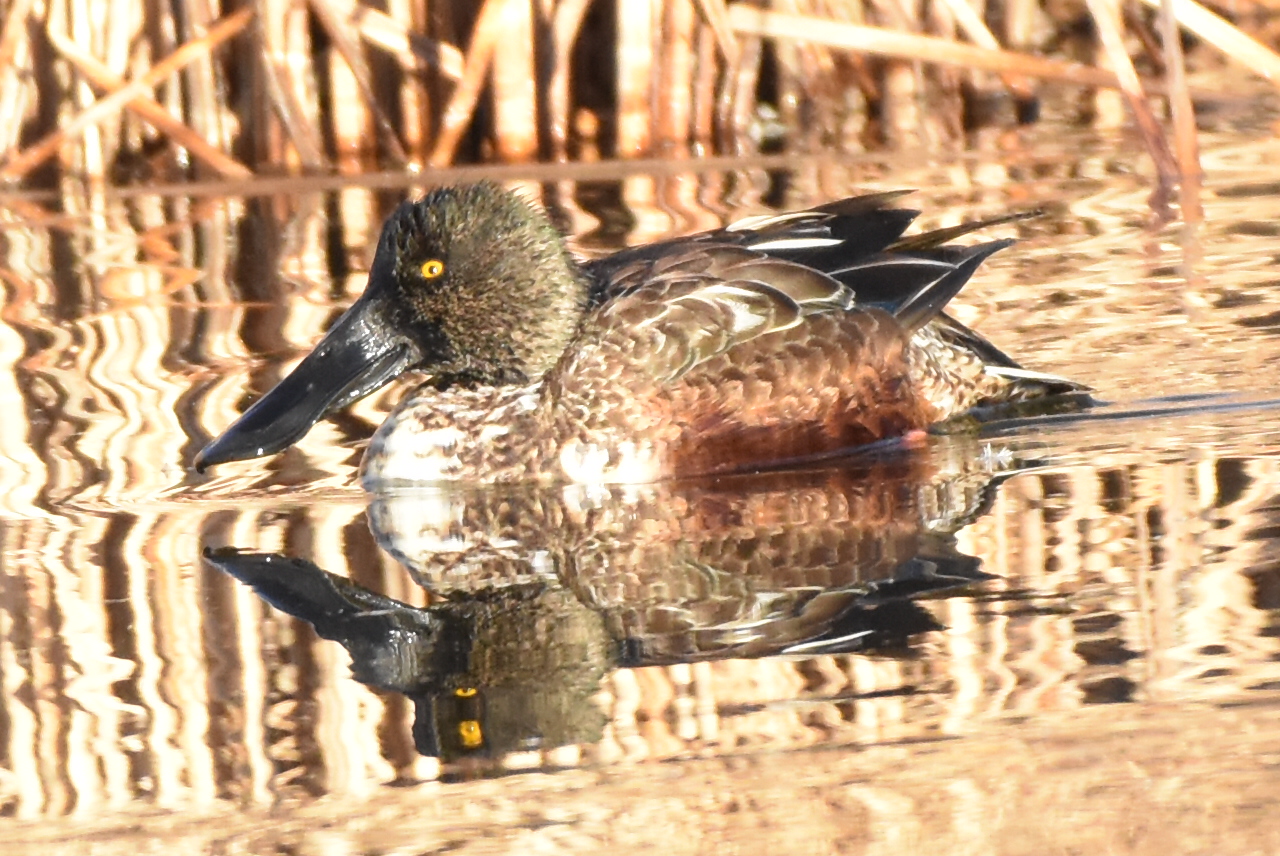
(133, 674)
(336, 83)
(152, 679)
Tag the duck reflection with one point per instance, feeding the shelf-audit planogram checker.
(541, 591)
(489, 672)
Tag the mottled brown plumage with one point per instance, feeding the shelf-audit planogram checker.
(775, 339)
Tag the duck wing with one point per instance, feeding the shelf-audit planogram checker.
(857, 242)
(821, 237)
(695, 300)
(679, 310)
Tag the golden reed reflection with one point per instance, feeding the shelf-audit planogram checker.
(133, 673)
(541, 591)
(1135, 566)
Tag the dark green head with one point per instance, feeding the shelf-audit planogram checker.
(470, 284)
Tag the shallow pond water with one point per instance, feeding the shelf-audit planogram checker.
(1059, 634)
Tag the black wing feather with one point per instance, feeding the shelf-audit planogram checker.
(911, 277)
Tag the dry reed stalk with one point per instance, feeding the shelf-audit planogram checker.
(283, 91)
(415, 97)
(820, 62)
(298, 55)
(15, 20)
(636, 40)
(159, 36)
(23, 161)
(1107, 110)
(673, 104)
(415, 52)
(201, 89)
(794, 79)
(462, 103)
(738, 98)
(899, 105)
(1106, 18)
(348, 121)
(1185, 139)
(351, 51)
(147, 109)
(515, 93)
(706, 73)
(15, 98)
(901, 82)
(800, 74)
(944, 115)
(747, 20)
(715, 15)
(258, 127)
(1134, 26)
(1021, 18)
(1225, 36)
(88, 31)
(15, 64)
(566, 24)
(972, 25)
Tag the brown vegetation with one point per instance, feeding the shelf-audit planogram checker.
(119, 91)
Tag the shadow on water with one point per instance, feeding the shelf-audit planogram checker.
(1190, 406)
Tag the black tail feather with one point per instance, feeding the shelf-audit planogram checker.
(928, 302)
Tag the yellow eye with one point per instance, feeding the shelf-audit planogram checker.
(465, 692)
(470, 734)
(432, 268)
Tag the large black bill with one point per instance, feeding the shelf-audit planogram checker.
(356, 357)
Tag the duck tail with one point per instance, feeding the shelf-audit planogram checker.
(1036, 383)
(927, 303)
(936, 238)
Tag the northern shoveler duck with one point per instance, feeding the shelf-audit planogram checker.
(776, 339)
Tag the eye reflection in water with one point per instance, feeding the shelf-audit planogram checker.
(540, 591)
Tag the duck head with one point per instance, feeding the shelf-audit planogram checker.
(470, 284)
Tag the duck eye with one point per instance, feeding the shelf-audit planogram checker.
(432, 268)
(471, 734)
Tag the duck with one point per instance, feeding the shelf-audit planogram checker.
(776, 340)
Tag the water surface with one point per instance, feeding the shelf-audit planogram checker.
(1063, 630)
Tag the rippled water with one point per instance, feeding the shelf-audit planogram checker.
(1061, 632)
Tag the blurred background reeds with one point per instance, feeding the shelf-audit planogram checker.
(135, 91)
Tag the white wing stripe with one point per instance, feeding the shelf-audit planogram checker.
(796, 243)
